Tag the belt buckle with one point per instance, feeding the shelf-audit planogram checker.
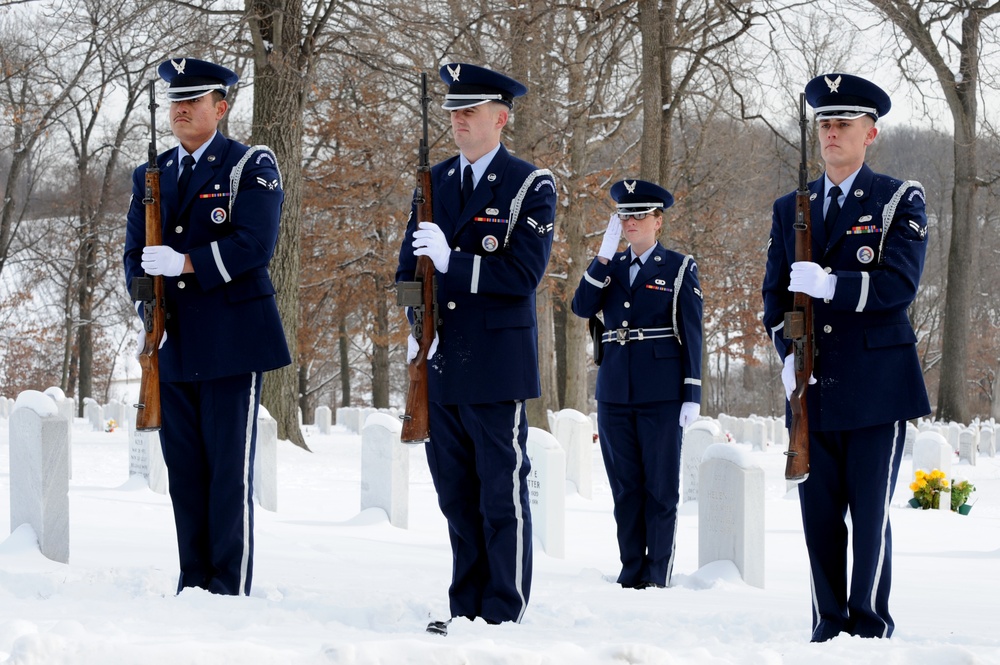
(640, 334)
(622, 335)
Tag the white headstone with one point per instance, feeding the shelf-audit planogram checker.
(954, 429)
(731, 512)
(39, 474)
(385, 468)
(323, 416)
(968, 445)
(4, 409)
(93, 413)
(987, 441)
(757, 433)
(67, 410)
(697, 438)
(575, 433)
(911, 437)
(931, 451)
(265, 462)
(547, 491)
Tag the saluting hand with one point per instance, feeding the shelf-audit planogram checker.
(429, 241)
(612, 236)
(162, 260)
(810, 278)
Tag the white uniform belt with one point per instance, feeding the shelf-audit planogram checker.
(622, 335)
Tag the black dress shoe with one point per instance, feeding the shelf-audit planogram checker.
(649, 585)
(438, 627)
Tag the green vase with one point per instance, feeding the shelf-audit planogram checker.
(964, 509)
(914, 503)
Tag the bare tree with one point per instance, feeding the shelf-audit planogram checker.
(948, 37)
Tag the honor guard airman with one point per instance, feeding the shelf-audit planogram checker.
(490, 242)
(220, 206)
(868, 244)
(649, 380)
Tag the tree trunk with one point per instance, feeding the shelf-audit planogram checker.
(345, 368)
(380, 347)
(279, 91)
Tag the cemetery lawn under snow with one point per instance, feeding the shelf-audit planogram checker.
(334, 584)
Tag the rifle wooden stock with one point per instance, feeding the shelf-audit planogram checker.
(421, 295)
(799, 326)
(149, 290)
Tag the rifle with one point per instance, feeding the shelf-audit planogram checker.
(421, 295)
(149, 290)
(799, 324)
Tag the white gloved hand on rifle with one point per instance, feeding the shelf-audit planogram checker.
(412, 347)
(788, 375)
(162, 260)
(612, 236)
(810, 278)
(429, 240)
(141, 342)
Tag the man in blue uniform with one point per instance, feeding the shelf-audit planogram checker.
(868, 249)
(490, 243)
(649, 381)
(220, 205)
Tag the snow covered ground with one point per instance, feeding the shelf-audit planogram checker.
(333, 584)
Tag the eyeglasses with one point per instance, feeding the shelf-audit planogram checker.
(635, 215)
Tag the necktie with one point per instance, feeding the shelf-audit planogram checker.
(188, 163)
(467, 185)
(833, 210)
(633, 269)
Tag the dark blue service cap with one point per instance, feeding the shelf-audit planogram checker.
(634, 196)
(469, 85)
(845, 96)
(191, 79)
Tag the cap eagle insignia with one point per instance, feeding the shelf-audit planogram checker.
(630, 188)
(454, 72)
(833, 85)
(179, 66)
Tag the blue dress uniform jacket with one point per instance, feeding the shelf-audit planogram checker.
(488, 347)
(866, 363)
(666, 293)
(222, 320)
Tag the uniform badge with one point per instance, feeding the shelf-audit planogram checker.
(454, 72)
(492, 177)
(451, 171)
(858, 193)
(657, 259)
(490, 243)
(629, 187)
(492, 211)
(179, 66)
(866, 254)
(219, 215)
(864, 218)
(659, 282)
(833, 85)
(169, 162)
(210, 158)
(217, 186)
(813, 197)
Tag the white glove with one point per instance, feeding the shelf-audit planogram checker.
(810, 278)
(612, 236)
(412, 347)
(141, 342)
(689, 413)
(429, 240)
(162, 260)
(788, 375)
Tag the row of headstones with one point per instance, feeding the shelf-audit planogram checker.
(978, 438)
(39, 460)
(730, 516)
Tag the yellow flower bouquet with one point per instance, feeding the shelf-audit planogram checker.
(927, 489)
